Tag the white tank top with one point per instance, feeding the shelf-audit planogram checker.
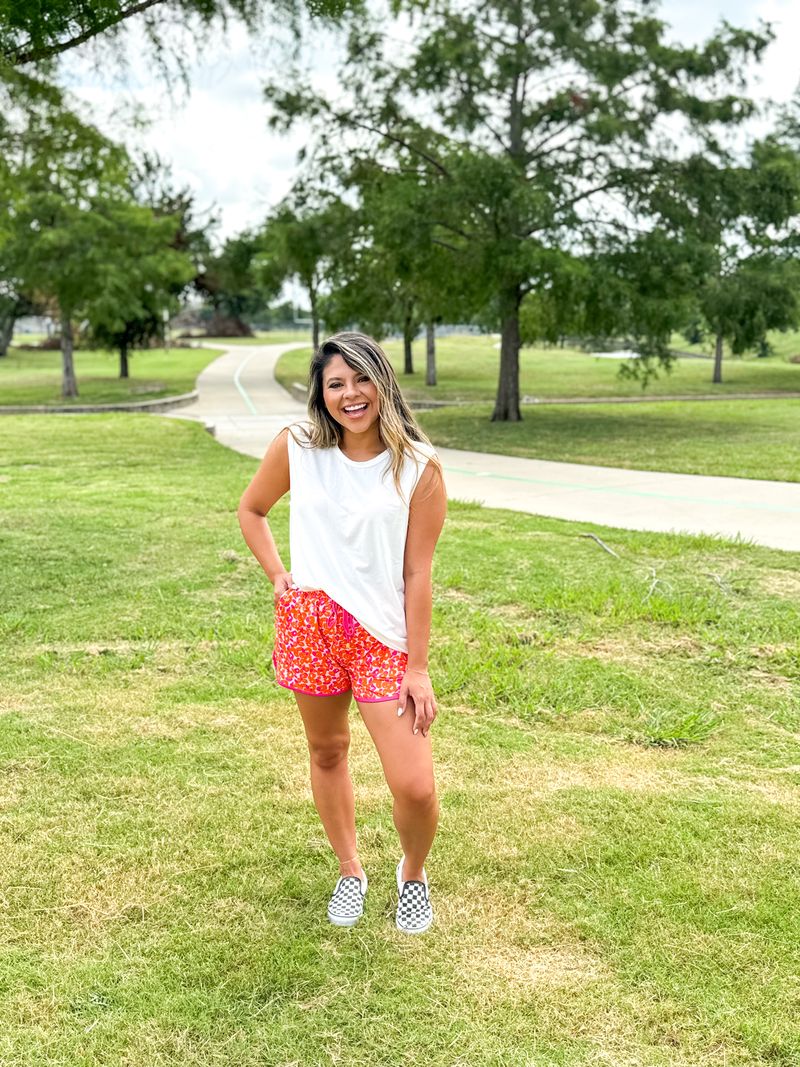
(347, 532)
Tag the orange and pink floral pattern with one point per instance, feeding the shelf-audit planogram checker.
(321, 650)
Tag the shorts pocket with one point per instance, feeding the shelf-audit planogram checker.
(282, 598)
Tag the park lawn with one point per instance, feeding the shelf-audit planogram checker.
(467, 369)
(615, 877)
(734, 438)
(34, 377)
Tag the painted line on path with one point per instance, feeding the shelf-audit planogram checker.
(244, 394)
(619, 491)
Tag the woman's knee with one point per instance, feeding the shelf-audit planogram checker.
(329, 751)
(417, 792)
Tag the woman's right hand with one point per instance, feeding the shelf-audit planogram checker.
(281, 583)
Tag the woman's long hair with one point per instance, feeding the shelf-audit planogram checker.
(396, 424)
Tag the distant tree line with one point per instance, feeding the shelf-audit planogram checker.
(546, 171)
(551, 170)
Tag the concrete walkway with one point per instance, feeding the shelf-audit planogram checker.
(240, 399)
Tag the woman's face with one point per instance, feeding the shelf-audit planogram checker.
(350, 397)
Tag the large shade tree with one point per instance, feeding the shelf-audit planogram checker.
(534, 114)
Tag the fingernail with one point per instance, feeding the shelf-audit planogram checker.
(416, 731)
(399, 711)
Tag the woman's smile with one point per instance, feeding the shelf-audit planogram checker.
(355, 411)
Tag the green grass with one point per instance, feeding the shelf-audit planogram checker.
(34, 377)
(467, 368)
(735, 438)
(615, 876)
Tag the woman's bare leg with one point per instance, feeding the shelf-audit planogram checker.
(408, 765)
(328, 734)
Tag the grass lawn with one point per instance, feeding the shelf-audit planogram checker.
(737, 438)
(34, 377)
(467, 368)
(615, 877)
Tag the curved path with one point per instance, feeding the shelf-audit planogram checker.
(241, 401)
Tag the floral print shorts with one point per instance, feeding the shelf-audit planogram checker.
(321, 650)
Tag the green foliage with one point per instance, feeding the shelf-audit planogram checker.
(306, 238)
(522, 164)
(232, 282)
(35, 32)
(732, 225)
(75, 236)
(141, 282)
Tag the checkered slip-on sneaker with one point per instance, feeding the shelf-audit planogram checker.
(414, 911)
(346, 905)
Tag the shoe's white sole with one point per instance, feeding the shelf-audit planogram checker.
(337, 921)
(417, 930)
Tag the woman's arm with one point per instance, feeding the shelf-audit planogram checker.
(426, 517)
(269, 484)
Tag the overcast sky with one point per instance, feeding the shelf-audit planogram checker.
(216, 136)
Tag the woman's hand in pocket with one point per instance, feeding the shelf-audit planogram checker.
(282, 583)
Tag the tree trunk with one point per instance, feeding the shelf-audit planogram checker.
(69, 384)
(6, 332)
(430, 354)
(408, 337)
(123, 362)
(717, 379)
(312, 294)
(506, 407)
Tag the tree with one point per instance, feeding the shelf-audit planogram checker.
(13, 306)
(74, 233)
(62, 178)
(141, 280)
(400, 210)
(533, 115)
(234, 285)
(299, 240)
(35, 32)
(736, 224)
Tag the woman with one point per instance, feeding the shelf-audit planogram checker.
(353, 615)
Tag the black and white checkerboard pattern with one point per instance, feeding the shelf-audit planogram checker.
(346, 905)
(414, 911)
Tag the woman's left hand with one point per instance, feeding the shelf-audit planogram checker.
(416, 685)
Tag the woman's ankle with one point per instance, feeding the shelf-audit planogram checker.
(350, 867)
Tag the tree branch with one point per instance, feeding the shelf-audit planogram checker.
(394, 138)
(33, 55)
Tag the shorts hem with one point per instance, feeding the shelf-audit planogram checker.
(311, 693)
(376, 700)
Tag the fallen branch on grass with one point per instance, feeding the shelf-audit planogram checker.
(602, 544)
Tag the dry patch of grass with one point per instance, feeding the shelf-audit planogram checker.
(780, 583)
(635, 649)
(516, 954)
(645, 772)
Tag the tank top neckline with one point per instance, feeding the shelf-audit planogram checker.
(362, 462)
